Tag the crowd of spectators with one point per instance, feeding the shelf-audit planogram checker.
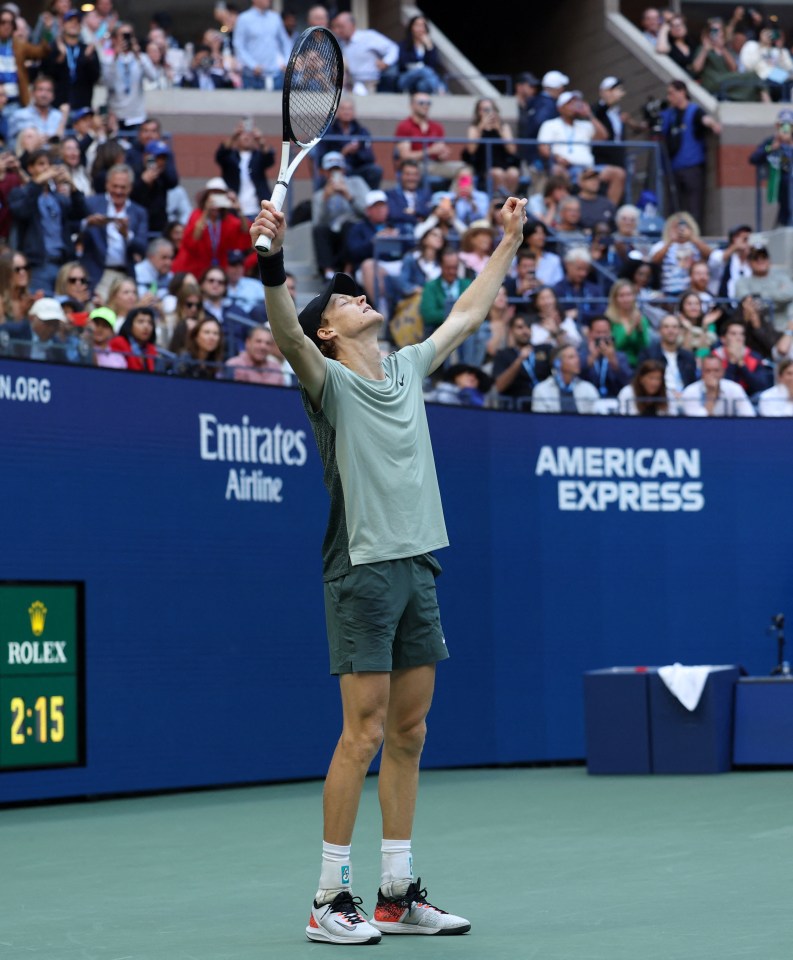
(107, 261)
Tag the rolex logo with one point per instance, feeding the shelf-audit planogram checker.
(38, 615)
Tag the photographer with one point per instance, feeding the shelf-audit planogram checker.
(46, 212)
(204, 73)
(683, 126)
(776, 153)
(605, 367)
(123, 76)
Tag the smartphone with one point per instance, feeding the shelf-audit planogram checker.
(247, 123)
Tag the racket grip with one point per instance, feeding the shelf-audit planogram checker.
(277, 199)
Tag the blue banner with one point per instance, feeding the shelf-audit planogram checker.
(193, 512)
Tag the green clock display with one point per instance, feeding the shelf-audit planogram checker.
(41, 675)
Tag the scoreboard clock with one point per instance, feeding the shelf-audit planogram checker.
(42, 721)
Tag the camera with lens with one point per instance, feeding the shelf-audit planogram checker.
(604, 341)
(205, 63)
(653, 110)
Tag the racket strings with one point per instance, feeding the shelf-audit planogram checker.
(316, 79)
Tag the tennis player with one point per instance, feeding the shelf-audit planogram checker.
(383, 624)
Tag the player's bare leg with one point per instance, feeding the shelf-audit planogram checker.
(402, 907)
(335, 916)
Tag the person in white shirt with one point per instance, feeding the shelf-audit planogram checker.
(729, 264)
(777, 401)
(123, 75)
(565, 142)
(713, 396)
(564, 391)
(370, 57)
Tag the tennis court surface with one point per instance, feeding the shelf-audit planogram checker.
(546, 863)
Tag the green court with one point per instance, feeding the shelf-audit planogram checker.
(546, 863)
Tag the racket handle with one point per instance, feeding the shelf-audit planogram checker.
(262, 245)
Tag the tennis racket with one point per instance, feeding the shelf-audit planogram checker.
(312, 90)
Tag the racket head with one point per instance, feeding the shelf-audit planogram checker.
(313, 84)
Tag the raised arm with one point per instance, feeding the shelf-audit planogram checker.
(303, 354)
(473, 306)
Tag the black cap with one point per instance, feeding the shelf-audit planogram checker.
(527, 78)
(310, 316)
(235, 257)
(741, 228)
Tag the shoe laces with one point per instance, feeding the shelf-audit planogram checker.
(348, 906)
(415, 894)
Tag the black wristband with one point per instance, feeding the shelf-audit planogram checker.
(271, 269)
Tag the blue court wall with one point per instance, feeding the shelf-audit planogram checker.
(577, 543)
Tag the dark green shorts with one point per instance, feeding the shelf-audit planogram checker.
(384, 616)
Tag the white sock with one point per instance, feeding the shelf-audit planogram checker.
(336, 873)
(396, 869)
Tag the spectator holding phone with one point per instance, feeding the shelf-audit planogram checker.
(776, 153)
(204, 72)
(123, 76)
(244, 159)
(602, 364)
(46, 212)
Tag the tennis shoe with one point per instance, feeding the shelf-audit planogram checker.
(413, 913)
(340, 922)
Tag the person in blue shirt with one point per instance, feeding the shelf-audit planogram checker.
(683, 126)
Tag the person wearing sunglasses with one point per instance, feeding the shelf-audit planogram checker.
(189, 310)
(72, 282)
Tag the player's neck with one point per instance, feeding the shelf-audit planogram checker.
(362, 357)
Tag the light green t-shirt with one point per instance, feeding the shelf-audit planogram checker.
(375, 448)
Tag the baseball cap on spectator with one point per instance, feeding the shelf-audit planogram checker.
(217, 183)
(235, 257)
(568, 96)
(588, 173)
(741, 228)
(375, 196)
(555, 79)
(47, 308)
(310, 316)
(157, 148)
(106, 315)
(71, 14)
(608, 83)
(528, 78)
(333, 159)
(82, 112)
(785, 116)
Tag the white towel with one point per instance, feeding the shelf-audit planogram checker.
(686, 683)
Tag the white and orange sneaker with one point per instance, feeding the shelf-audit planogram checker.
(413, 913)
(340, 922)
